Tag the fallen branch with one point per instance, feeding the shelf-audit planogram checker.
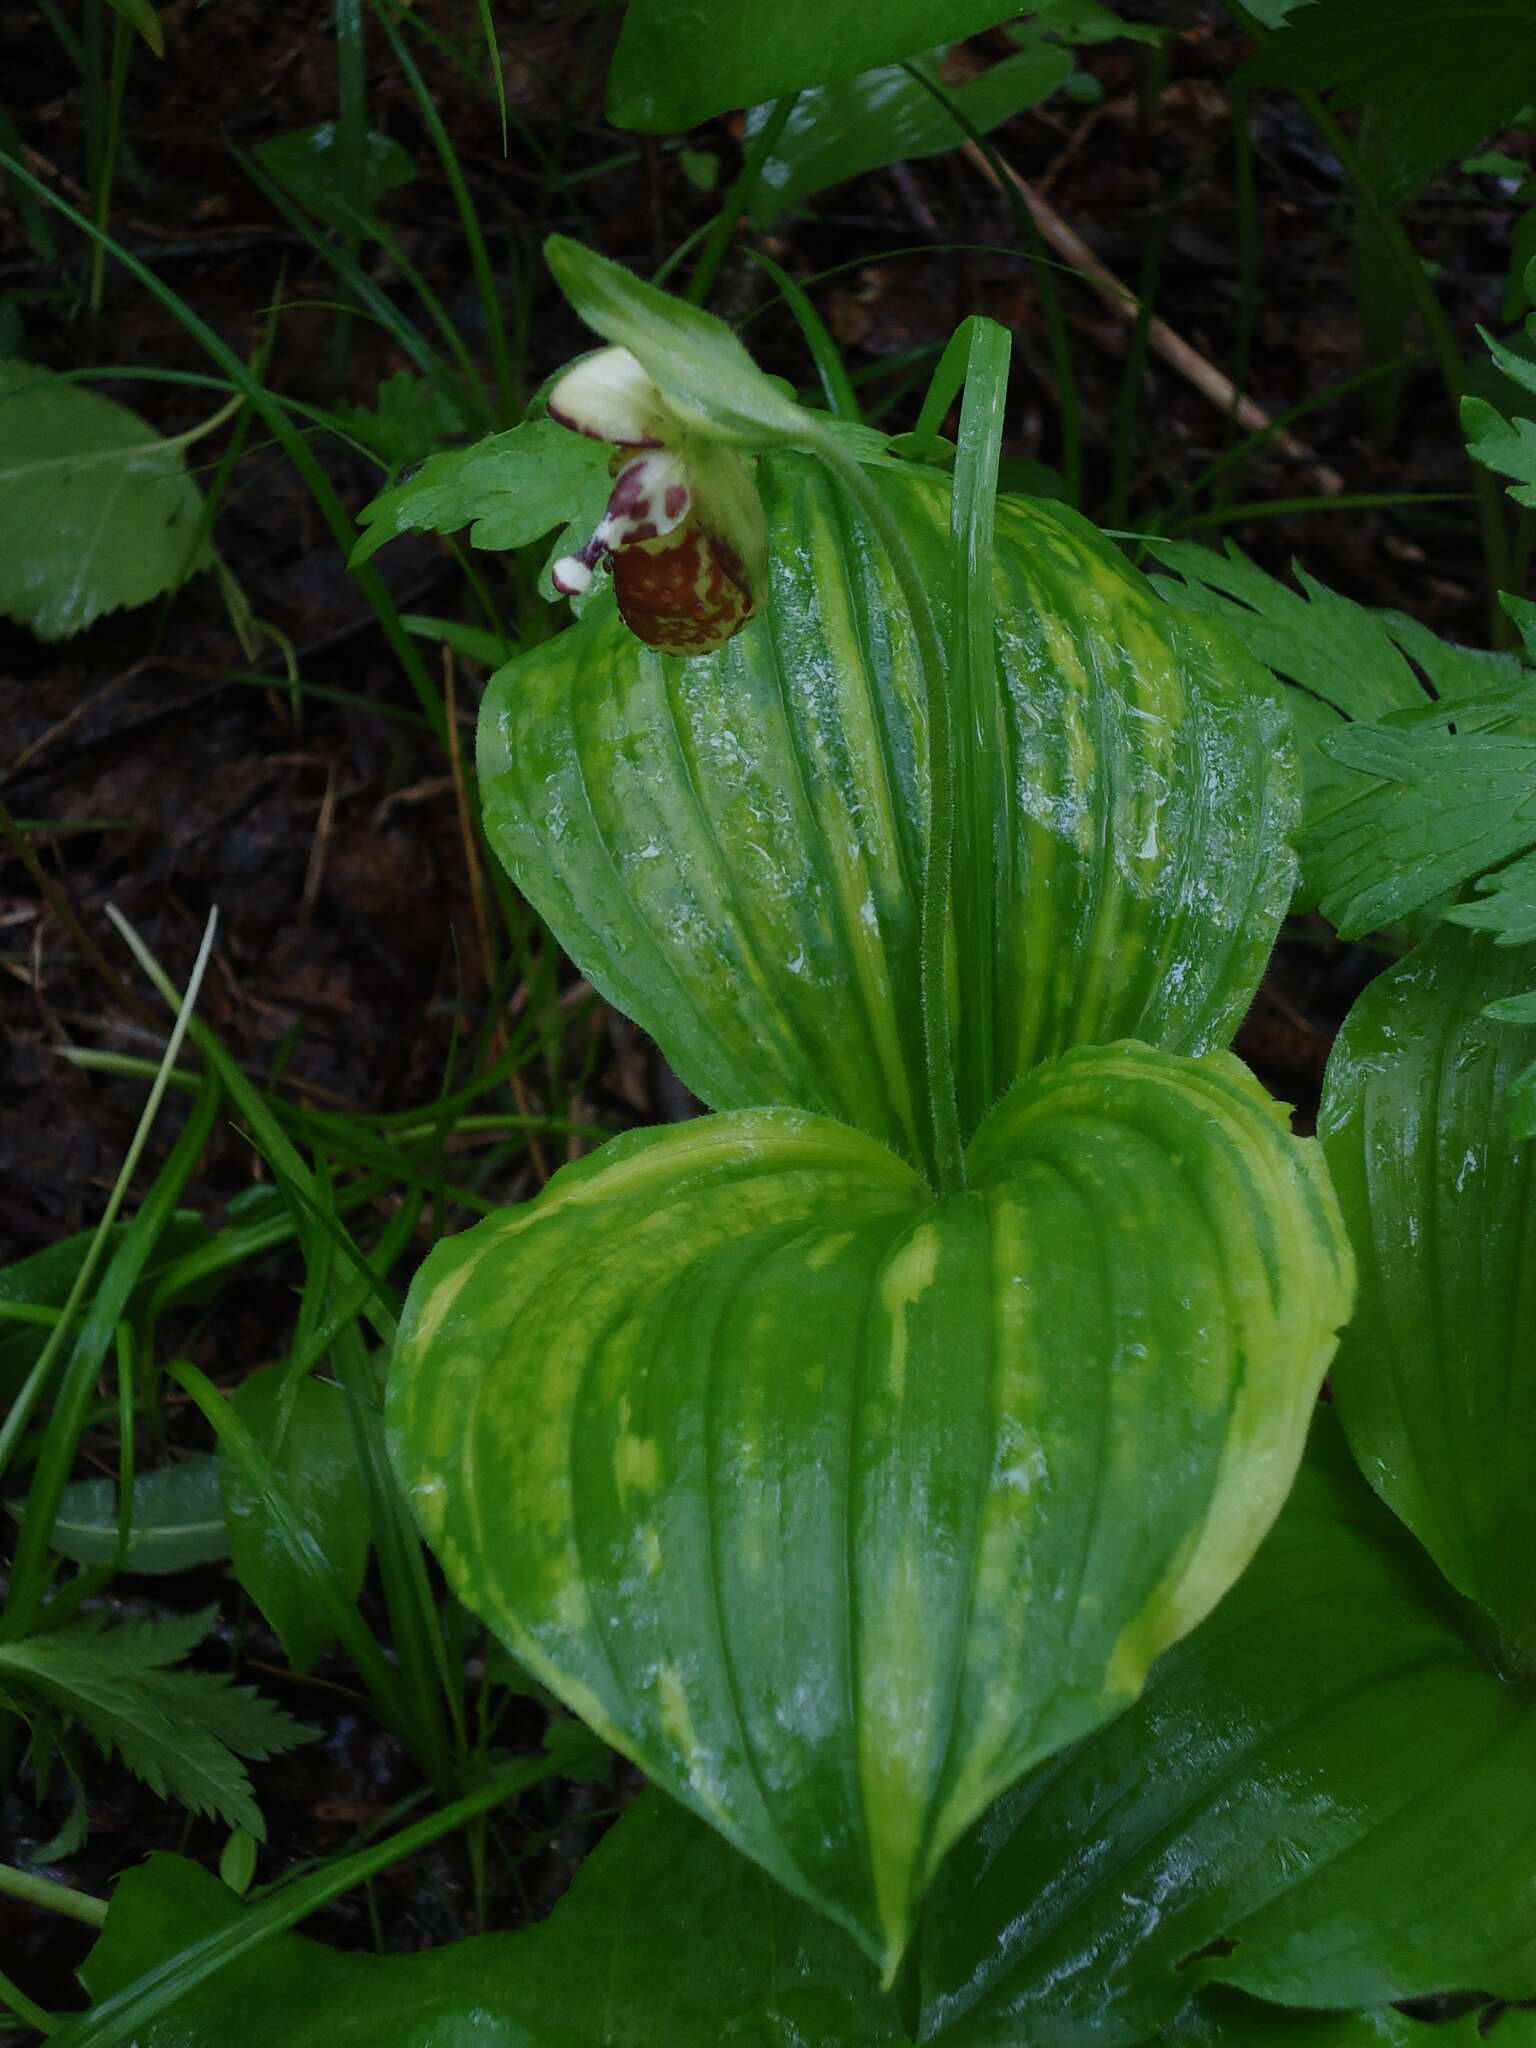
(1172, 347)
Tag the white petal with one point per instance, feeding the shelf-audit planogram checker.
(571, 576)
(650, 497)
(610, 398)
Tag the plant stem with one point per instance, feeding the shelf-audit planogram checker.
(53, 1898)
(1045, 285)
(101, 188)
(947, 1162)
(737, 200)
(32, 1389)
(979, 866)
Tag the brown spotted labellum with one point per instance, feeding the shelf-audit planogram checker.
(683, 529)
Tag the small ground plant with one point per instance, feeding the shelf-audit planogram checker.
(1053, 1548)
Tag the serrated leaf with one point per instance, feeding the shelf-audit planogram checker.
(1439, 1366)
(1441, 74)
(409, 419)
(1444, 808)
(178, 1519)
(1509, 908)
(509, 490)
(673, 69)
(1322, 1788)
(1362, 662)
(96, 509)
(728, 847)
(1343, 661)
(836, 1505)
(840, 131)
(308, 1441)
(1508, 447)
(182, 1732)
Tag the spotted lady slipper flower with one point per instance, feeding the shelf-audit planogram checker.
(683, 530)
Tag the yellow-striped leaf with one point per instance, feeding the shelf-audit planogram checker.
(730, 848)
(836, 1504)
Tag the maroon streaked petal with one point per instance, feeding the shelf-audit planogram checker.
(685, 594)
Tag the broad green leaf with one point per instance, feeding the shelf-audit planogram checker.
(1344, 660)
(837, 1505)
(729, 847)
(313, 1457)
(96, 509)
(509, 490)
(1442, 74)
(1224, 1800)
(1324, 1797)
(880, 117)
(178, 1519)
(312, 164)
(1437, 1373)
(182, 1732)
(667, 1939)
(674, 67)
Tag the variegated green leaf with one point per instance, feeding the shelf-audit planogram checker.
(1323, 1794)
(1437, 1374)
(730, 847)
(835, 1504)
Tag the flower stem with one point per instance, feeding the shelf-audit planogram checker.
(947, 1162)
(53, 1898)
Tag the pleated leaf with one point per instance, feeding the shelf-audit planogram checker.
(1436, 1377)
(1326, 1797)
(837, 1505)
(1322, 1791)
(730, 848)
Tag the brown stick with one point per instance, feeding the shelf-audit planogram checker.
(1172, 347)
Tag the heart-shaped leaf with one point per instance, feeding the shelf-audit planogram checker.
(837, 1505)
(1436, 1377)
(729, 848)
